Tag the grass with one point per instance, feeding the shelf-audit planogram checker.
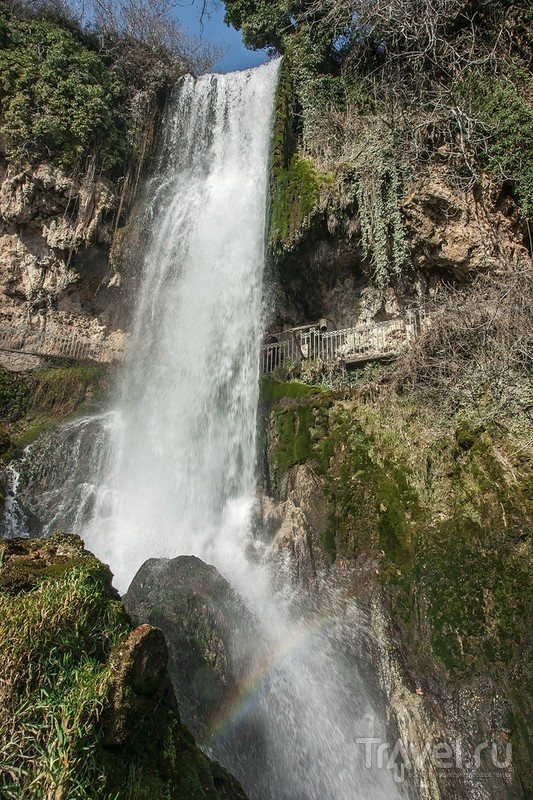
(73, 725)
(55, 676)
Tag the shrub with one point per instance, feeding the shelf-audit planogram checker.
(507, 120)
(59, 98)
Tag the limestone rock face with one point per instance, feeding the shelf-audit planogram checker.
(461, 233)
(207, 626)
(297, 523)
(55, 275)
(452, 233)
(454, 670)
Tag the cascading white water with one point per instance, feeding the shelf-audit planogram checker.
(183, 469)
(178, 453)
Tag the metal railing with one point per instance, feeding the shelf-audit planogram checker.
(362, 342)
(43, 343)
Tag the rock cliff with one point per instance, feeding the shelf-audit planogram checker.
(453, 234)
(423, 519)
(56, 231)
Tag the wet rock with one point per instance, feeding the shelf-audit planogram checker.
(140, 680)
(208, 630)
(297, 523)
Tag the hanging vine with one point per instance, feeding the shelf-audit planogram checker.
(378, 189)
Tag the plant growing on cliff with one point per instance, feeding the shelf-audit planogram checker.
(90, 85)
(54, 679)
(295, 195)
(378, 189)
(14, 397)
(87, 708)
(504, 127)
(403, 60)
(62, 103)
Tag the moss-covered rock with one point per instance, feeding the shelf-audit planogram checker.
(88, 708)
(33, 403)
(443, 509)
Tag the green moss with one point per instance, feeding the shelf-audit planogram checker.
(463, 545)
(13, 397)
(50, 396)
(54, 674)
(293, 429)
(295, 195)
(374, 507)
(59, 391)
(479, 590)
(284, 139)
(272, 391)
(5, 441)
(373, 503)
(295, 185)
(298, 425)
(66, 632)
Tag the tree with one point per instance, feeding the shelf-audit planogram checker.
(150, 25)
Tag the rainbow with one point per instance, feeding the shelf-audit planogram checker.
(250, 686)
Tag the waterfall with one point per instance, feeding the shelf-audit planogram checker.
(178, 463)
(182, 477)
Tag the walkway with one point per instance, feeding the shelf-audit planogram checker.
(43, 343)
(361, 343)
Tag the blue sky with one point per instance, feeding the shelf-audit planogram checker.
(215, 30)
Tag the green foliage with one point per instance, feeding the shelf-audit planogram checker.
(448, 520)
(13, 397)
(378, 188)
(272, 391)
(264, 23)
(60, 391)
(59, 98)
(352, 59)
(66, 675)
(54, 676)
(507, 119)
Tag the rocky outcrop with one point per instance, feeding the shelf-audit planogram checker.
(294, 524)
(208, 630)
(452, 234)
(55, 233)
(87, 701)
(433, 545)
(457, 233)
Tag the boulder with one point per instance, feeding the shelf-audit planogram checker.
(208, 631)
